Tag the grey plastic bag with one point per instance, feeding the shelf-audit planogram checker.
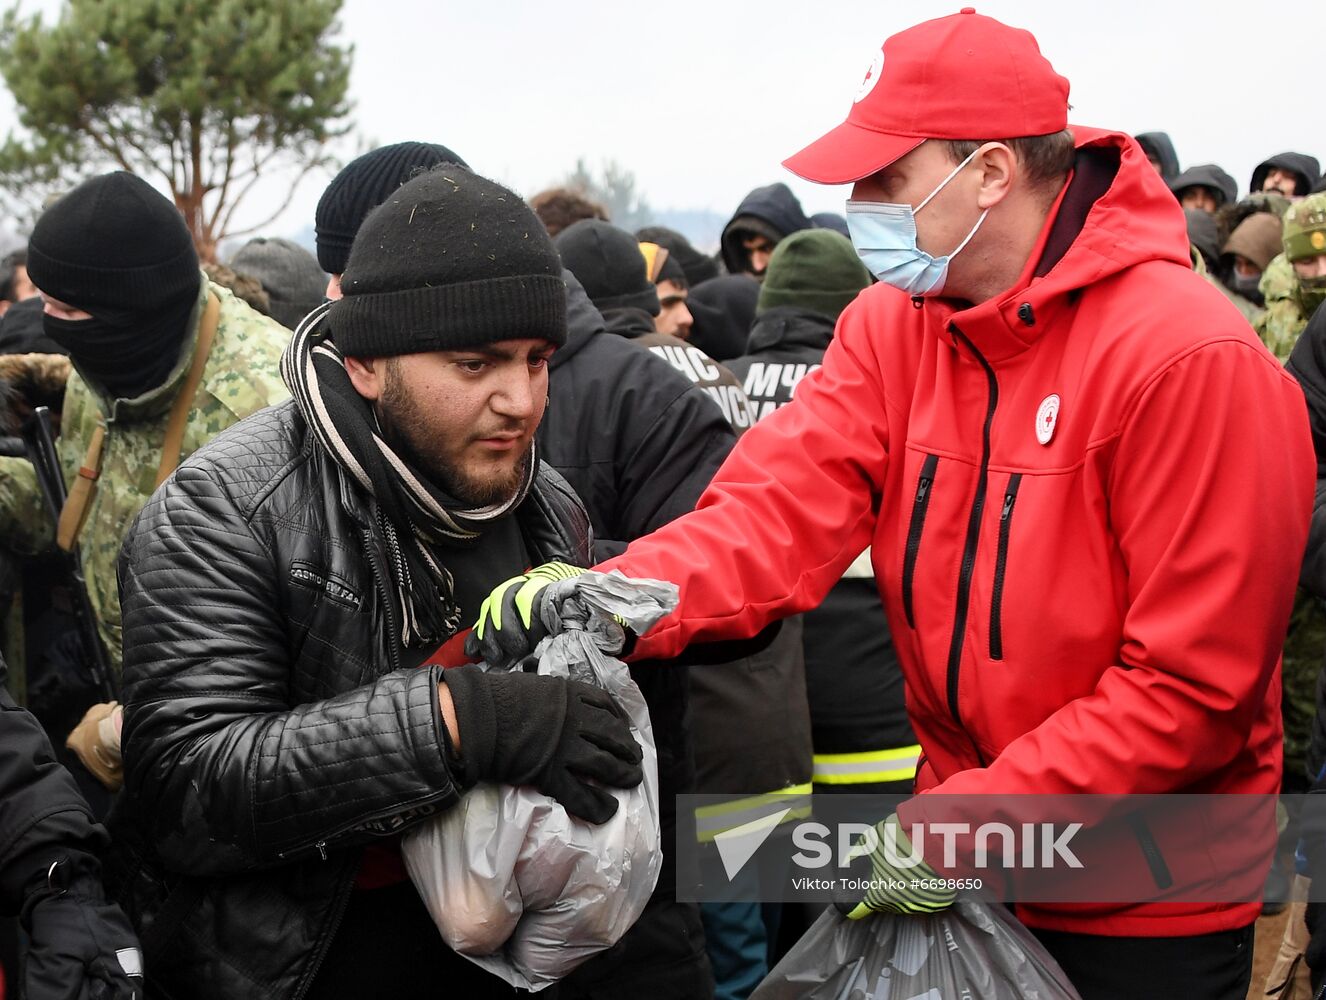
(513, 882)
(972, 950)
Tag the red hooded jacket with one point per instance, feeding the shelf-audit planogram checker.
(1087, 502)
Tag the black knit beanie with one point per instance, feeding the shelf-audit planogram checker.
(449, 261)
(608, 262)
(361, 186)
(815, 269)
(114, 247)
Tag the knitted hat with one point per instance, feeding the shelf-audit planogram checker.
(450, 260)
(289, 274)
(362, 185)
(1257, 238)
(608, 262)
(114, 247)
(815, 269)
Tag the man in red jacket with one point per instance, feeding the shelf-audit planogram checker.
(1085, 484)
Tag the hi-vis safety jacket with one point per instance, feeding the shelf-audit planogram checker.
(1086, 501)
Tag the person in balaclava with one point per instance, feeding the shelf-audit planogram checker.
(763, 218)
(155, 348)
(1252, 245)
(1205, 186)
(1159, 149)
(1291, 174)
(1294, 283)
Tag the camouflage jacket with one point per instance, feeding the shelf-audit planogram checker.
(1283, 320)
(241, 376)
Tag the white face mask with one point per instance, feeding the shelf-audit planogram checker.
(885, 239)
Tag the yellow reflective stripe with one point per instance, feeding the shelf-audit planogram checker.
(895, 764)
(712, 820)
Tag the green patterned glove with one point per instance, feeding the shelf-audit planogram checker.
(893, 888)
(508, 628)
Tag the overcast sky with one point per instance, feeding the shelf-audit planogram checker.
(702, 100)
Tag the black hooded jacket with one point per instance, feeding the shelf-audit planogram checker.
(723, 309)
(1304, 166)
(1158, 146)
(775, 211)
(1210, 176)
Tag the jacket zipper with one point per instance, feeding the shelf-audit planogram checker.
(919, 506)
(324, 946)
(384, 593)
(973, 537)
(1001, 563)
(1155, 861)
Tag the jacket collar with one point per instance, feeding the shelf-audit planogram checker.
(1113, 213)
(789, 326)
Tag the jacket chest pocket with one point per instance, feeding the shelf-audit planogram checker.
(915, 528)
(1001, 567)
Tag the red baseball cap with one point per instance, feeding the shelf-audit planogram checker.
(965, 76)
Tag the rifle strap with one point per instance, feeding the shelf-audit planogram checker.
(79, 503)
(179, 413)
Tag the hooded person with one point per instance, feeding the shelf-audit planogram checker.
(1203, 236)
(1039, 387)
(696, 266)
(1251, 247)
(1205, 186)
(763, 218)
(722, 311)
(162, 359)
(1294, 283)
(1159, 150)
(289, 274)
(1290, 174)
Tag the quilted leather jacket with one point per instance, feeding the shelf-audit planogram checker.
(273, 723)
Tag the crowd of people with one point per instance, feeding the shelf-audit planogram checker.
(1002, 481)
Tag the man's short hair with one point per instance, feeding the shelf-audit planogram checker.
(1046, 158)
(560, 207)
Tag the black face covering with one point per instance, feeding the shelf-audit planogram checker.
(127, 357)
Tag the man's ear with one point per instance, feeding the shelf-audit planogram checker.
(999, 166)
(367, 375)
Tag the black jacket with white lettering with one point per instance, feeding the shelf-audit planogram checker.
(855, 683)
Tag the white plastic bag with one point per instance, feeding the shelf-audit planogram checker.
(512, 881)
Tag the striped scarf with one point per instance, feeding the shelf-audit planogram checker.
(411, 511)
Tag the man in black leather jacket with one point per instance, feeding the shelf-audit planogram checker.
(281, 589)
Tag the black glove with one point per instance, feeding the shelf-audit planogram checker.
(558, 735)
(81, 947)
